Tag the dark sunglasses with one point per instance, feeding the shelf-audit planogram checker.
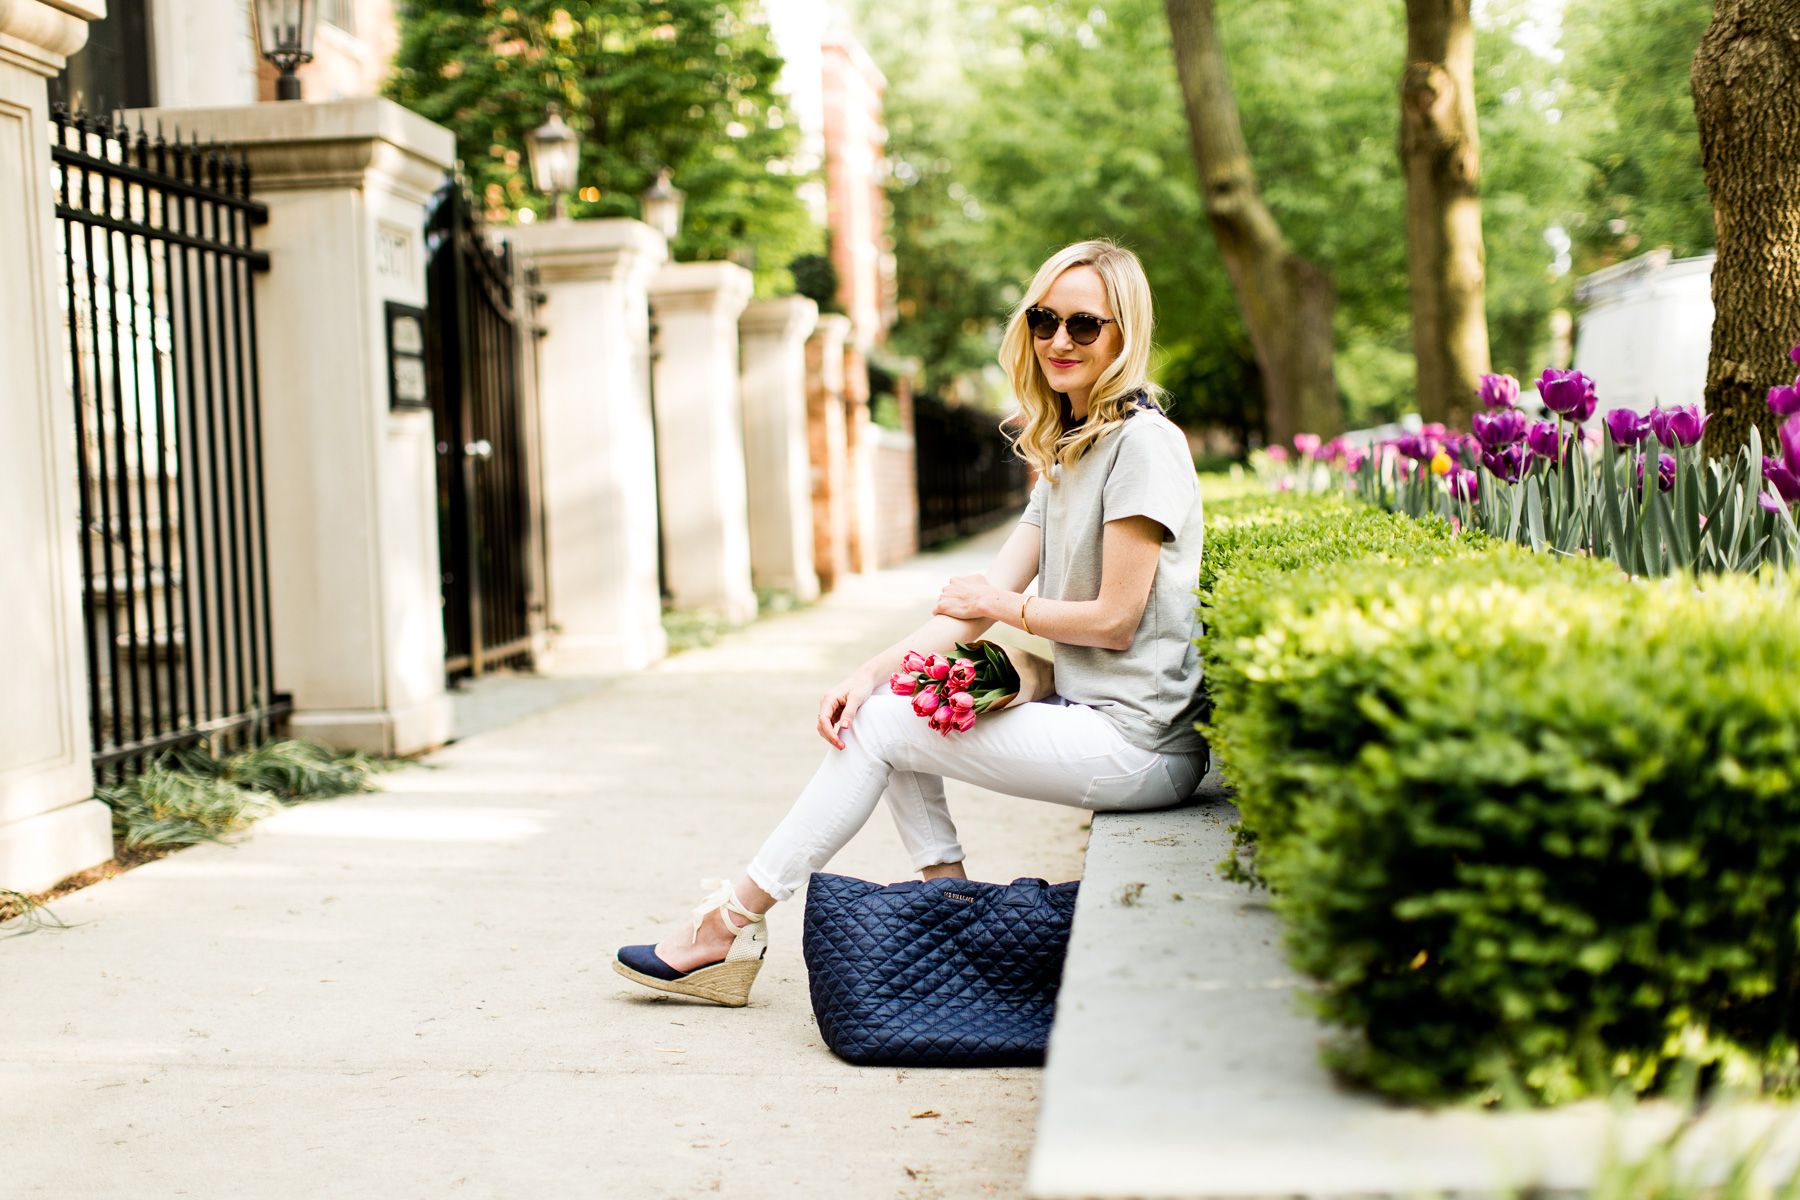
(1084, 328)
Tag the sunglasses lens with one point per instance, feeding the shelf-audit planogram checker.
(1042, 322)
(1084, 329)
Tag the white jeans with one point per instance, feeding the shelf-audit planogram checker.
(1060, 753)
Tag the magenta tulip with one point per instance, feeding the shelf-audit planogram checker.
(1544, 440)
(1498, 391)
(1785, 401)
(1568, 393)
(1628, 428)
(962, 673)
(1421, 446)
(902, 684)
(1464, 485)
(913, 661)
(1784, 472)
(1795, 355)
(1307, 443)
(926, 702)
(1665, 471)
(963, 720)
(1496, 429)
(938, 667)
(1507, 463)
(1278, 453)
(962, 700)
(1678, 426)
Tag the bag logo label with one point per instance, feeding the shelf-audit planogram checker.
(960, 896)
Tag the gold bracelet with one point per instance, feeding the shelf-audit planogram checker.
(1023, 623)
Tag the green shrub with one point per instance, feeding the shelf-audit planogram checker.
(1286, 532)
(1528, 821)
(191, 796)
(164, 806)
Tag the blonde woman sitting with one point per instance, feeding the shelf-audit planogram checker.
(1112, 536)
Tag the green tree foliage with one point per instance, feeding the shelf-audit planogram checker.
(1043, 124)
(1630, 63)
(687, 84)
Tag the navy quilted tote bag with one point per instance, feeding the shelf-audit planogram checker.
(936, 972)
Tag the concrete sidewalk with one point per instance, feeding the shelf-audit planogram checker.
(408, 994)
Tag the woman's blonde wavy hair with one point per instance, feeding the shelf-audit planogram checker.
(1047, 436)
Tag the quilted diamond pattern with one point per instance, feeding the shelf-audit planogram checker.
(938, 972)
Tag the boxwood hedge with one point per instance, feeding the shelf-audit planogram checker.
(1529, 821)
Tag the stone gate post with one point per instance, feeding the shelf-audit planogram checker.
(351, 483)
(773, 335)
(700, 436)
(49, 825)
(598, 446)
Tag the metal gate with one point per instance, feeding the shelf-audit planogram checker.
(154, 239)
(474, 379)
(969, 476)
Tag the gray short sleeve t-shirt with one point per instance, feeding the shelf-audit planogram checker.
(1142, 469)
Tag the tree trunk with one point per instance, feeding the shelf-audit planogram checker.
(1440, 152)
(1747, 103)
(1286, 301)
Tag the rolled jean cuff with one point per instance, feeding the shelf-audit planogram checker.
(768, 883)
(941, 858)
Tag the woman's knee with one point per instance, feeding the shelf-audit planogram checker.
(882, 722)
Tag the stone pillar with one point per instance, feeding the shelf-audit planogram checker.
(777, 464)
(828, 448)
(598, 446)
(859, 458)
(351, 486)
(49, 826)
(700, 437)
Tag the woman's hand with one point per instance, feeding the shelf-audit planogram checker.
(840, 704)
(967, 598)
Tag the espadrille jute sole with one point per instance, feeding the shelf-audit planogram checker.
(726, 983)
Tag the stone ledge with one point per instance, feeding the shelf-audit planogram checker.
(1181, 1064)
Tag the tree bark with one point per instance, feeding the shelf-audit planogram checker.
(1286, 301)
(1747, 104)
(1440, 153)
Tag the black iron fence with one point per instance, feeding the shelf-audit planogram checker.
(969, 477)
(157, 258)
(475, 382)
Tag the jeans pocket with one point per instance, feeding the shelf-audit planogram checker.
(1147, 787)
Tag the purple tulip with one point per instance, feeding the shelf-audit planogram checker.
(1464, 485)
(1795, 355)
(1785, 401)
(1627, 428)
(1507, 463)
(1496, 429)
(1420, 447)
(1543, 440)
(1665, 471)
(1569, 393)
(1784, 472)
(1678, 426)
(1498, 391)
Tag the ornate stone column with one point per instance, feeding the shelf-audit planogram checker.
(351, 486)
(49, 826)
(598, 446)
(777, 464)
(700, 436)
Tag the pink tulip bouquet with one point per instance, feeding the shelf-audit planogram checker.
(951, 693)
